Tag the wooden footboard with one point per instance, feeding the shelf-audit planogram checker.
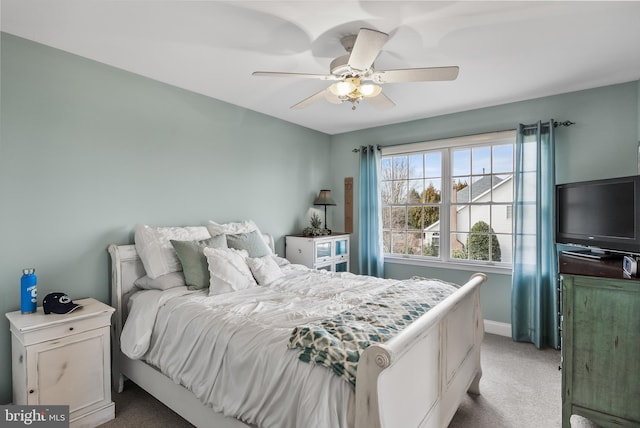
(419, 377)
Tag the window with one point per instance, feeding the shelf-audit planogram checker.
(450, 200)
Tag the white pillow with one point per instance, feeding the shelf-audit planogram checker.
(153, 245)
(228, 270)
(231, 228)
(264, 269)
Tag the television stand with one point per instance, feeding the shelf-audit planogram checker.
(595, 255)
(600, 346)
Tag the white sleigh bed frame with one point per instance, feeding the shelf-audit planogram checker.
(416, 379)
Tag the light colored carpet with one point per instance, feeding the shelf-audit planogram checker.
(520, 388)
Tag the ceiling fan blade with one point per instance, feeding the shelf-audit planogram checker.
(331, 97)
(381, 101)
(298, 75)
(310, 100)
(366, 48)
(416, 75)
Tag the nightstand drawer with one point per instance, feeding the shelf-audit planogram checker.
(34, 328)
(61, 331)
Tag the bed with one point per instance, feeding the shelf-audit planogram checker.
(416, 379)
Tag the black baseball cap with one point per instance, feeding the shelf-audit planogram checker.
(58, 303)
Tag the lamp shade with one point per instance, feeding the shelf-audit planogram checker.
(324, 198)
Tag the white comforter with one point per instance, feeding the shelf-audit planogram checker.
(231, 349)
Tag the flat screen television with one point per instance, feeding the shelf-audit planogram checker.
(601, 215)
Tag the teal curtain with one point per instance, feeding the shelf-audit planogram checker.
(534, 296)
(371, 255)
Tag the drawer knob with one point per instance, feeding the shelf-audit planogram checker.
(70, 328)
(31, 391)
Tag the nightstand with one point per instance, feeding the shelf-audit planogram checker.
(64, 360)
(328, 252)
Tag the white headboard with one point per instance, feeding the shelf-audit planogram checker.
(126, 267)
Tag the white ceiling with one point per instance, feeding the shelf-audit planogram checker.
(506, 51)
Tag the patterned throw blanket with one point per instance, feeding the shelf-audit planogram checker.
(337, 342)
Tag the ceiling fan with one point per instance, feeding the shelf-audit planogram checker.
(355, 77)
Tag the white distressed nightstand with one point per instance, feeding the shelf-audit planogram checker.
(64, 359)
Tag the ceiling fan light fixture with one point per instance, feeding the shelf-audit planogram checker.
(370, 90)
(348, 72)
(342, 88)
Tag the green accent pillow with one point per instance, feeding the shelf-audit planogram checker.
(194, 263)
(252, 242)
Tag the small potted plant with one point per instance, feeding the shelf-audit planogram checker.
(316, 227)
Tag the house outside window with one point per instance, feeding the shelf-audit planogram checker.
(449, 200)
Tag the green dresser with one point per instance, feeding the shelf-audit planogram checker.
(600, 344)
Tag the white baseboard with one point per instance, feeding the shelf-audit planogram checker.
(499, 328)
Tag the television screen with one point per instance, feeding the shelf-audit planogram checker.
(601, 214)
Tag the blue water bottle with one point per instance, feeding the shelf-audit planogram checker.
(28, 291)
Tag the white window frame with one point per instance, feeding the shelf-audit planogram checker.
(446, 146)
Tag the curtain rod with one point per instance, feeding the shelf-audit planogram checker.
(378, 147)
(526, 127)
(555, 124)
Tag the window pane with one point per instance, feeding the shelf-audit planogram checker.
(529, 155)
(506, 247)
(416, 166)
(483, 243)
(528, 186)
(386, 217)
(529, 219)
(386, 169)
(461, 162)
(480, 246)
(386, 241)
(501, 221)
(400, 167)
(399, 243)
(433, 163)
(458, 246)
(433, 192)
(414, 243)
(416, 189)
(481, 188)
(398, 192)
(503, 158)
(503, 188)
(528, 253)
(386, 191)
(431, 244)
(461, 190)
(431, 218)
(460, 219)
(481, 160)
(480, 214)
(398, 217)
(415, 218)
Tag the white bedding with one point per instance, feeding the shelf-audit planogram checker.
(231, 349)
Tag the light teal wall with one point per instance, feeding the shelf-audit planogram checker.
(602, 143)
(88, 151)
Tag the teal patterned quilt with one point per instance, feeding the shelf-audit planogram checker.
(338, 342)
